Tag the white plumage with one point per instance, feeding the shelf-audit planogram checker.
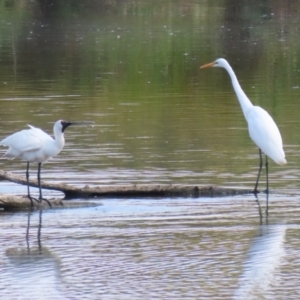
(265, 134)
(34, 145)
(262, 128)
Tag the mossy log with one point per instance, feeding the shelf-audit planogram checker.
(133, 190)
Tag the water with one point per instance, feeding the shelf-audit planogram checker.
(133, 69)
(155, 248)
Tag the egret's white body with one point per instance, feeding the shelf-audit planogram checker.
(265, 134)
(262, 128)
(34, 145)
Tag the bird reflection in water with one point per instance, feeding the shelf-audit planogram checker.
(35, 270)
(263, 262)
(260, 210)
(38, 232)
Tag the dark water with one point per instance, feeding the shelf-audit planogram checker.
(132, 67)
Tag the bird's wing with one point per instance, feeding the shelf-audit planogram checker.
(42, 135)
(265, 134)
(24, 140)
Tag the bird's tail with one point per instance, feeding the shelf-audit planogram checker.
(282, 161)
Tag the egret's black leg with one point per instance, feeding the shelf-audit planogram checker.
(260, 167)
(27, 178)
(39, 183)
(267, 190)
(267, 174)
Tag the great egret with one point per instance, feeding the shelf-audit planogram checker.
(262, 128)
(34, 145)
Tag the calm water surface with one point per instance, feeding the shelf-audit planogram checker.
(133, 69)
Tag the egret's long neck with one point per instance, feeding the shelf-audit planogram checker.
(243, 99)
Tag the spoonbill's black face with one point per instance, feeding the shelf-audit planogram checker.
(64, 125)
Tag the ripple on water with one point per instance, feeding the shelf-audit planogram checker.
(158, 248)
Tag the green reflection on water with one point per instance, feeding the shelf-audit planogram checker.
(133, 67)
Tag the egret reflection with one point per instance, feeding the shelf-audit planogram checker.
(262, 266)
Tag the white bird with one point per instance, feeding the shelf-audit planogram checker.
(34, 145)
(262, 128)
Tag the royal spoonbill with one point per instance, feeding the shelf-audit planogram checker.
(35, 146)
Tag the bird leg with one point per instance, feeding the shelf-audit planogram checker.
(260, 167)
(267, 174)
(27, 178)
(267, 207)
(28, 191)
(39, 182)
(267, 190)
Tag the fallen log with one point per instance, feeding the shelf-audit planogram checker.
(14, 202)
(133, 190)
